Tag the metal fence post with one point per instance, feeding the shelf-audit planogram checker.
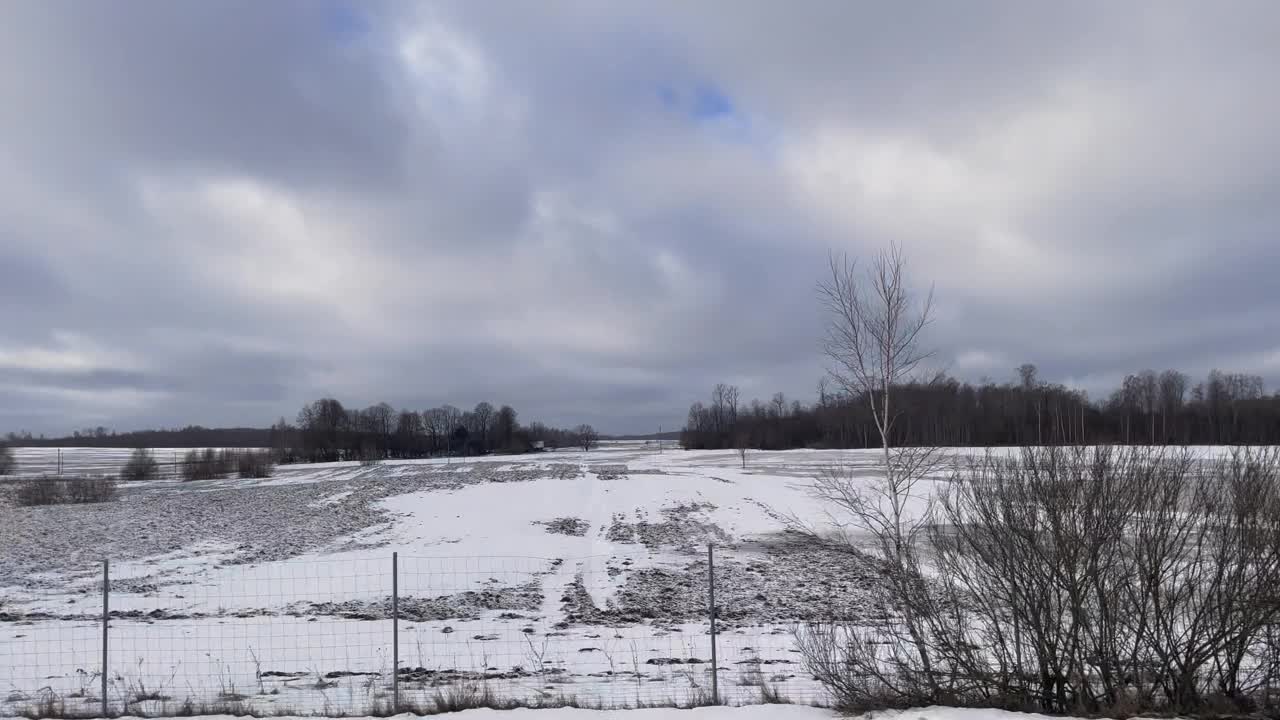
(395, 632)
(106, 614)
(711, 592)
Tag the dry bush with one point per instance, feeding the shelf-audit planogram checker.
(370, 455)
(255, 464)
(1079, 581)
(83, 490)
(40, 491)
(59, 491)
(207, 464)
(7, 462)
(141, 466)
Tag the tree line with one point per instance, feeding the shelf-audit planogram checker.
(1149, 408)
(187, 437)
(325, 431)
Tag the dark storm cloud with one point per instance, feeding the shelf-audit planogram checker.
(214, 213)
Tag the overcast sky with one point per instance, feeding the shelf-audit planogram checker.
(214, 212)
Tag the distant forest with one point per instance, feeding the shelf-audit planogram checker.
(1149, 408)
(326, 430)
(193, 436)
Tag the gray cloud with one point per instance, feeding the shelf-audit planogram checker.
(215, 213)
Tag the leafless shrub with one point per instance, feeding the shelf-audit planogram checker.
(58, 491)
(207, 464)
(1078, 581)
(370, 455)
(141, 466)
(90, 489)
(49, 704)
(770, 694)
(40, 491)
(889, 516)
(255, 464)
(7, 463)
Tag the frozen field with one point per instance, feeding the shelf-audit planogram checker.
(88, 461)
(564, 574)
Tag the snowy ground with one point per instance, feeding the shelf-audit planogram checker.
(763, 712)
(567, 574)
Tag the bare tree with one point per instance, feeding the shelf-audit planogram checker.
(439, 423)
(1030, 384)
(1027, 375)
(7, 463)
(281, 436)
(742, 445)
(483, 420)
(1149, 398)
(409, 430)
(505, 427)
(873, 331)
(586, 436)
(778, 405)
(1173, 392)
(873, 338)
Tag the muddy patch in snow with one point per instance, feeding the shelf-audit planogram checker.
(459, 606)
(610, 472)
(564, 471)
(792, 580)
(683, 526)
(571, 526)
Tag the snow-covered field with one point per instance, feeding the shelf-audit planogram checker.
(39, 461)
(769, 712)
(561, 574)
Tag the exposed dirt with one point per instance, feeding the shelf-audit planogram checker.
(256, 521)
(571, 526)
(795, 580)
(460, 606)
(682, 527)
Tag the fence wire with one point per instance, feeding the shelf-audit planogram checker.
(322, 636)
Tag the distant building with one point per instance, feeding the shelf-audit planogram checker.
(537, 446)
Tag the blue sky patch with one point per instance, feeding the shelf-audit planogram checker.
(709, 102)
(345, 20)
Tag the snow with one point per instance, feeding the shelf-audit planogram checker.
(758, 712)
(560, 574)
(781, 712)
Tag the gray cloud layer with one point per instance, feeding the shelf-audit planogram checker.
(213, 213)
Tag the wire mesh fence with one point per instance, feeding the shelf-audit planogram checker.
(360, 636)
(170, 463)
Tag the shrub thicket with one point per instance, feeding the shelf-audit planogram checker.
(255, 463)
(7, 463)
(64, 490)
(207, 464)
(1076, 581)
